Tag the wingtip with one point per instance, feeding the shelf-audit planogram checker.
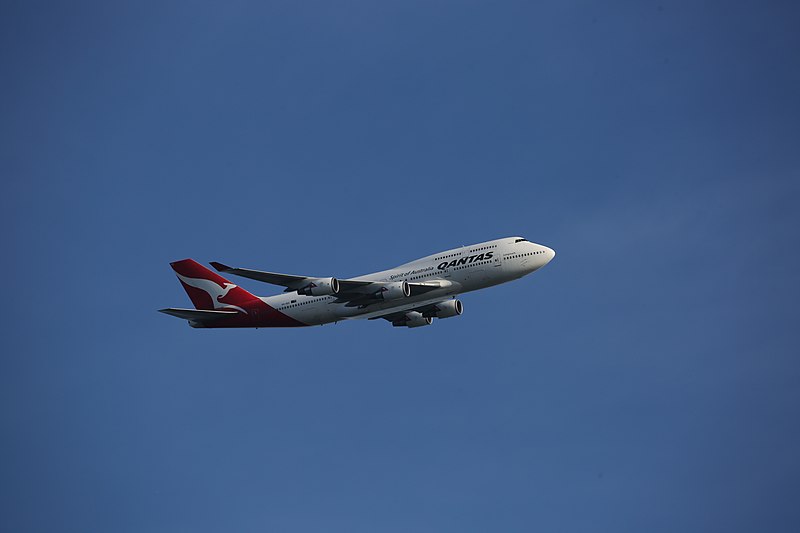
(220, 267)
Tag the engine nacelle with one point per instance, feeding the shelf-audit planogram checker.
(320, 287)
(413, 319)
(446, 309)
(393, 291)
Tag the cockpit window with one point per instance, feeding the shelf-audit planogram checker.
(520, 240)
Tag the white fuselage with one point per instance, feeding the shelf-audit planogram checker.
(462, 270)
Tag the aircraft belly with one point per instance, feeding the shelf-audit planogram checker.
(326, 314)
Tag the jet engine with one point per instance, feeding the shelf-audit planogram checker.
(320, 287)
(446, 309)
(413, 319)
(393, 291)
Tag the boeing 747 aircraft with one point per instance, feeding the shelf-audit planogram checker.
(410, 295)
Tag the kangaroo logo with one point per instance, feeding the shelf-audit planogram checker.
(215, 292)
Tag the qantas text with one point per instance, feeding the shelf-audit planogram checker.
(465, 260)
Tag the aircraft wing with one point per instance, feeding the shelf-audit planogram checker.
(290, 281)
(348, 288)
(351, 292)
(362, 296)
(286, 280)
(426, 309)
(423, 287)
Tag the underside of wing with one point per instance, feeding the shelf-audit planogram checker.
(354, 287)
(426, 309)
(374, 292)
(422, 315)
(424, 287)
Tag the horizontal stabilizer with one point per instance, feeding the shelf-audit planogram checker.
(197, 315)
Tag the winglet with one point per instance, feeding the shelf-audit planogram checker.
(220, 267)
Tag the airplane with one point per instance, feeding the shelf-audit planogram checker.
(410, 295)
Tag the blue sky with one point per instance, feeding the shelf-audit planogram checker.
(646, 380)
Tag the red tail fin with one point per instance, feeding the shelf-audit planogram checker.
(207, 289)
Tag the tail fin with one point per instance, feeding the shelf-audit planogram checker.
(208, 290)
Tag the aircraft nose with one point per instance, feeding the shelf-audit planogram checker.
(543, 255)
